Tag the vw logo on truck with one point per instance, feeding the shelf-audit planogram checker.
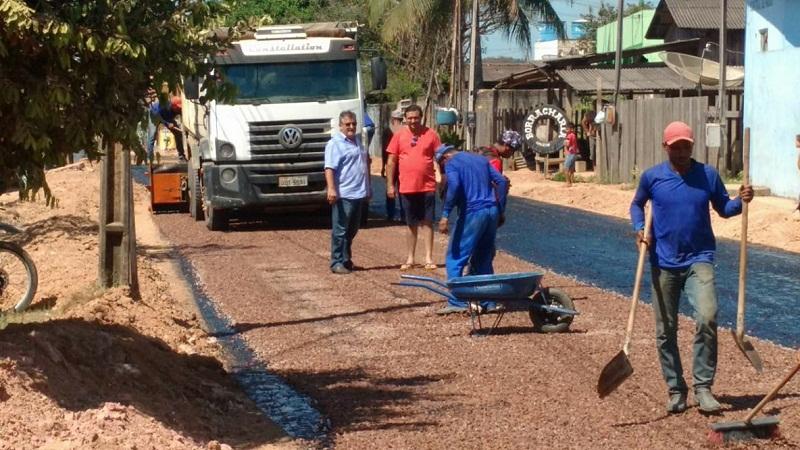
(290, 137)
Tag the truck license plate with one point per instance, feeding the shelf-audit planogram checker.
(293, 181)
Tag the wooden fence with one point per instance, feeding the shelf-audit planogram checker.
(633, 144)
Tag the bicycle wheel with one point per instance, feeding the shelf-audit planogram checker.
(18, 277)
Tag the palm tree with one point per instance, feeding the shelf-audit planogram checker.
(418, 27)
(401, 17)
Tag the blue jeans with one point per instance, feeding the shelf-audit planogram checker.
(472, 242)
(151, 141)
(697, 281)
(391, 203)
(345, 219)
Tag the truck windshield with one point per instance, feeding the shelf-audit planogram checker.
(294, 82)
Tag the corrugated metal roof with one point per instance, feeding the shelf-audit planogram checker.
(704, 14)
(495, 71)
(643, 79)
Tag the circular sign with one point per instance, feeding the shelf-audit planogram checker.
(538, 131)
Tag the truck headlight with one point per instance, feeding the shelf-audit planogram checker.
(228, 175)
(225, 150)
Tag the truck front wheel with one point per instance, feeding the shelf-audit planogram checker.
(195, 193)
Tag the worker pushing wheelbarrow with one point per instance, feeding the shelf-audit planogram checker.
(551, 310)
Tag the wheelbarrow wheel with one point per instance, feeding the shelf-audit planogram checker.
(544, 322)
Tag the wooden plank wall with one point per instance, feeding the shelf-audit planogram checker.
(503, 109)
(633, 144)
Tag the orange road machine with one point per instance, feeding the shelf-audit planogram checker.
(168, 175)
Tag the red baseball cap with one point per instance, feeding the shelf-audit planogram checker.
(678, 131)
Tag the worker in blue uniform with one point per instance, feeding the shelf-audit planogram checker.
(479, 193)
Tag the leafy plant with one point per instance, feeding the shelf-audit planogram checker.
(451, 137)
(401, 85)
(73, 74)
(728, 178)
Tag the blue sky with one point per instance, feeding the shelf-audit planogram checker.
(497, 45)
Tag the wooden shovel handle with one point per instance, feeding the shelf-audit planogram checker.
(743, 242)
(648, 220)
(772, 393)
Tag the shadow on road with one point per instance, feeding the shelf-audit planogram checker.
(356, 400)
(83, 365)
(166, 252)
(244, 327)
(745, 402)
(71, 225)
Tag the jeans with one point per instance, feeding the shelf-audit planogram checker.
(697, 281)
(392, 203)
(472, 242)
(151, 142)
(345, 219)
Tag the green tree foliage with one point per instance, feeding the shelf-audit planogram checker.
(73, 73)
(274, 11)
(605, 15)
(418, 34)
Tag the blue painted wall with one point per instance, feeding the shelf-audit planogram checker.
(772, 93)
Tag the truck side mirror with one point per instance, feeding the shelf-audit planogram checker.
(378, 68)
(191, 87)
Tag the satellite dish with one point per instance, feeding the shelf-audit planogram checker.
(702, 71)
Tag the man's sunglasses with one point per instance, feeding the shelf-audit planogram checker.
(414, 140)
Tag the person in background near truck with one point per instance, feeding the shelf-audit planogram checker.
(479, 193)
(370, 126)
(590, 131)
(411, 151)
(682, 248)
(570, 154)
(505, 145)
(395, 122)
(797, 146)
(167, 115)
(347, 178)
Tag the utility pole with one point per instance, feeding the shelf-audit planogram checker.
(722, 106)
(618, 56)
(474, 71)
(455, 55)
(117, 233)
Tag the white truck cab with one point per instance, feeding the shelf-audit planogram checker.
(266, 148)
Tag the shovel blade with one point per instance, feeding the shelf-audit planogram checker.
(614, 374)
(748, 350)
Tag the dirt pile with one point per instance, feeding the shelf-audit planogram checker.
(85, 368)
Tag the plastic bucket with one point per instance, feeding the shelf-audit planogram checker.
(446, 116)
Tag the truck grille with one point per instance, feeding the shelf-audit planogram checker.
(265, 144)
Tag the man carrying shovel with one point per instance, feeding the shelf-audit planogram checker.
(682, 248)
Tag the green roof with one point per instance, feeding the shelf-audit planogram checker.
(634, 28)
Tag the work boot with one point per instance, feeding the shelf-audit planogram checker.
(340, 269)
(676, 403)
(706, 401)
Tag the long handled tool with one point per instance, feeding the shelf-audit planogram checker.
(738, 335)
(750, 428)
(619, 368)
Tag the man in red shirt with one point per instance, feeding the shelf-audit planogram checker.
(570, 154)
(411, 150)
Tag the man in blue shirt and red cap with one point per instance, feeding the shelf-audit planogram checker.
(682, 248)
(479, 192)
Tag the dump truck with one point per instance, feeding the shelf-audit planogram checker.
(265, 149)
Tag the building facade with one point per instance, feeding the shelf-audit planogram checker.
(771, 102)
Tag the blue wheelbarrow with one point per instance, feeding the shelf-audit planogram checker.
(551, 310)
